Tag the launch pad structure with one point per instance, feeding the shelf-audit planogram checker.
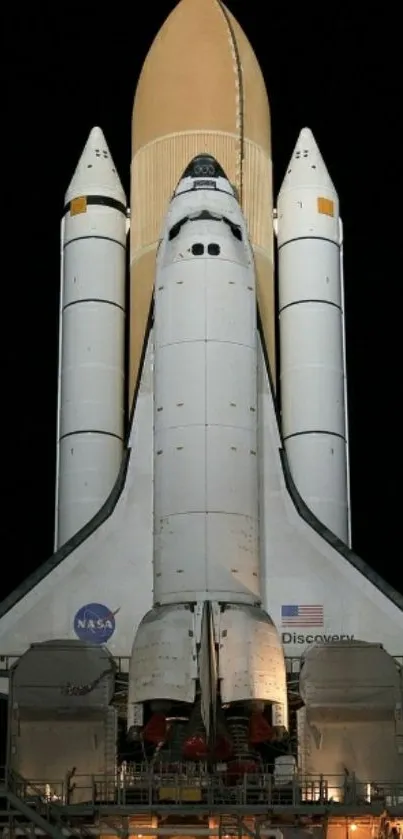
(253, 810)
(144, 800)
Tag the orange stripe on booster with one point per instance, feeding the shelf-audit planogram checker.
(325, 206)
(78, 205)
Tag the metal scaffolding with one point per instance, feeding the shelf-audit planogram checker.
(142, 802)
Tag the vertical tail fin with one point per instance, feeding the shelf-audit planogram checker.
(208, 673)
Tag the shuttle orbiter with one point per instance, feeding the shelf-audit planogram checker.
(301, 571)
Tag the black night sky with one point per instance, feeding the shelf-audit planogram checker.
(72, 66)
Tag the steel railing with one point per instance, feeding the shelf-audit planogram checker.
(140, 784)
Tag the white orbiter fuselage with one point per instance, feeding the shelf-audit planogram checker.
(207, 638)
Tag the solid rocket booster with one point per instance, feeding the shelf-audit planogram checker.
(312, 346)
(91, 354)
(207, 635)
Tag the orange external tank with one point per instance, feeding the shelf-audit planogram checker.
(200, 90)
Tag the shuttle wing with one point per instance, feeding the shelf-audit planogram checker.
(316, 588)
(99, 584)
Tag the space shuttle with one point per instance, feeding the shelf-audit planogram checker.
(207, 540)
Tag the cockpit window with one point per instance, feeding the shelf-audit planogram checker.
(206, 216)
(235, 229)
(198, 249)
(176, 228)
(204, 166)
(213, 249)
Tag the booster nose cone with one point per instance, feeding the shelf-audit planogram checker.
(96, 173)
(204, 166)
(307, 203)
(307, 167)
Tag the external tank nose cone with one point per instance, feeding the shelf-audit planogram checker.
(200, 91)
(200, 73)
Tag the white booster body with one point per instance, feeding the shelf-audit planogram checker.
(312, 346)
(207, 616)
(91, 364)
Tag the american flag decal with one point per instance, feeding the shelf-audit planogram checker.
(298, 615)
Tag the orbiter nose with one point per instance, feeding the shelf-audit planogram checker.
(204, 166)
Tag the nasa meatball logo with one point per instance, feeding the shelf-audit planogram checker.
(95, 623)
